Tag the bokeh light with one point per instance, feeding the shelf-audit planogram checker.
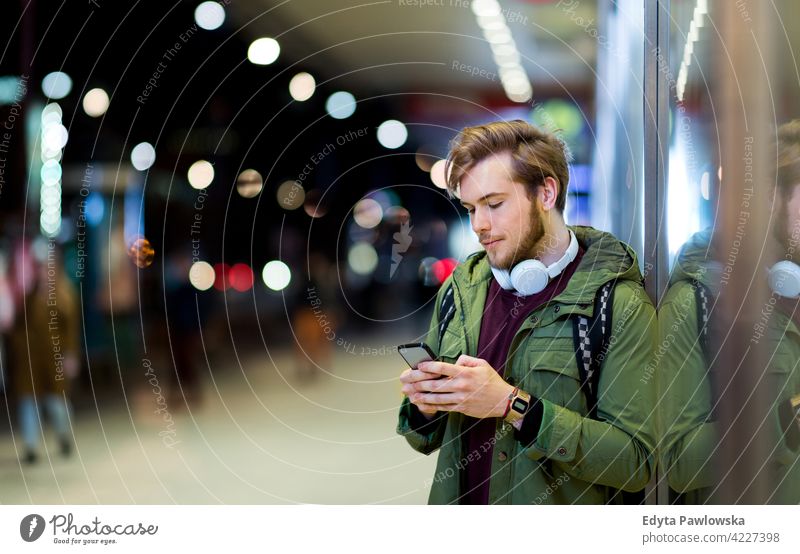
(276, 275)
(51, 113)
(95, 102)
(222, 280)
(200, 174)
(56, 85)
(95, 208)
(340, 105)
(50, 172)
(705, 179)
(54, 136)
(368, 213)
(209, 15)
(559, 115)
(362, 258)
(462, 240)
(241, 277)
(357, 233)
(143, 156)
(443, 268)
(141, 252)
(313, 205)
(201, 275)
(437, 174)
(263, 51)
(397, 215)
(249, 183)
(392, 134)
(425, 158)
(302, 86)
(290, 195)
(426, 273)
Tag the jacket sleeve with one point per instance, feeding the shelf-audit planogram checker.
(616, 450)
(425, 437)
(687, 437)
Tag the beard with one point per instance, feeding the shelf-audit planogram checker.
(525, 247)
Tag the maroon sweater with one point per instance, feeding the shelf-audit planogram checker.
(503, 315)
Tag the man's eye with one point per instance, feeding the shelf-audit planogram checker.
(493, 206)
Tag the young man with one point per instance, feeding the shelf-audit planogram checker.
(504, 402)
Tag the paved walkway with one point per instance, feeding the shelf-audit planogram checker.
(258, 437)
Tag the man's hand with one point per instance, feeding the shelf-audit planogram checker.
(414, 380)
(471, 386)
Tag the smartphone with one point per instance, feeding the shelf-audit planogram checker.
(416, 353)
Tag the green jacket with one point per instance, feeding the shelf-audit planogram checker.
(574, 459)
(783, 349)
(687, 437)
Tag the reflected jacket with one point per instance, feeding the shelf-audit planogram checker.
(574, 458)
(783, 350)
(687, 435)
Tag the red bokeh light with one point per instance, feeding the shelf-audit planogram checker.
(443, 268)
(241, 277)
(222, 277)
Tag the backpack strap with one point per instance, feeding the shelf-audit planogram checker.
(702, 297)
(591, 338)
(447, 309)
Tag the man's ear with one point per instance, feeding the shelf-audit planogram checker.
(548, 193)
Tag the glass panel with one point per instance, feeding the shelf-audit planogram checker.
(727, 370)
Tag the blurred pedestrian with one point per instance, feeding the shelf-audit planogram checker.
(44, 347)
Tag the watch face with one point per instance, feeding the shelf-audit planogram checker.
(519, 405)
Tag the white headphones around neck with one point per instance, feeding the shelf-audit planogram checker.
(531, 276)
(784, 279)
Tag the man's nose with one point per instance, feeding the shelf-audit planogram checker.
(481, 222)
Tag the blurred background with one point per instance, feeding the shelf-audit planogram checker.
(218, 219)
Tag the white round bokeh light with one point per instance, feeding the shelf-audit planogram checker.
(56, 85)
(392, 134)
(276, 275)
(340, 105)
(201, 275)
(95, 102)
(263, 51)
(302, 86)
(209, 15)
(143, 156)
(200, 174)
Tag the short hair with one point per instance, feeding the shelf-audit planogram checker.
(787, 175)
(535, 154)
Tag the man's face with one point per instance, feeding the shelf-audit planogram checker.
(508, 223)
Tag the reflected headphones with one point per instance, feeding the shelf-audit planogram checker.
(784, 279)
(531, 276)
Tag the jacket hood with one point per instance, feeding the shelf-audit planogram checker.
(694, 262)
(605, 258)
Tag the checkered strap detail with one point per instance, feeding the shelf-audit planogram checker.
(585, 346)
(592, 337)
(701, 295)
